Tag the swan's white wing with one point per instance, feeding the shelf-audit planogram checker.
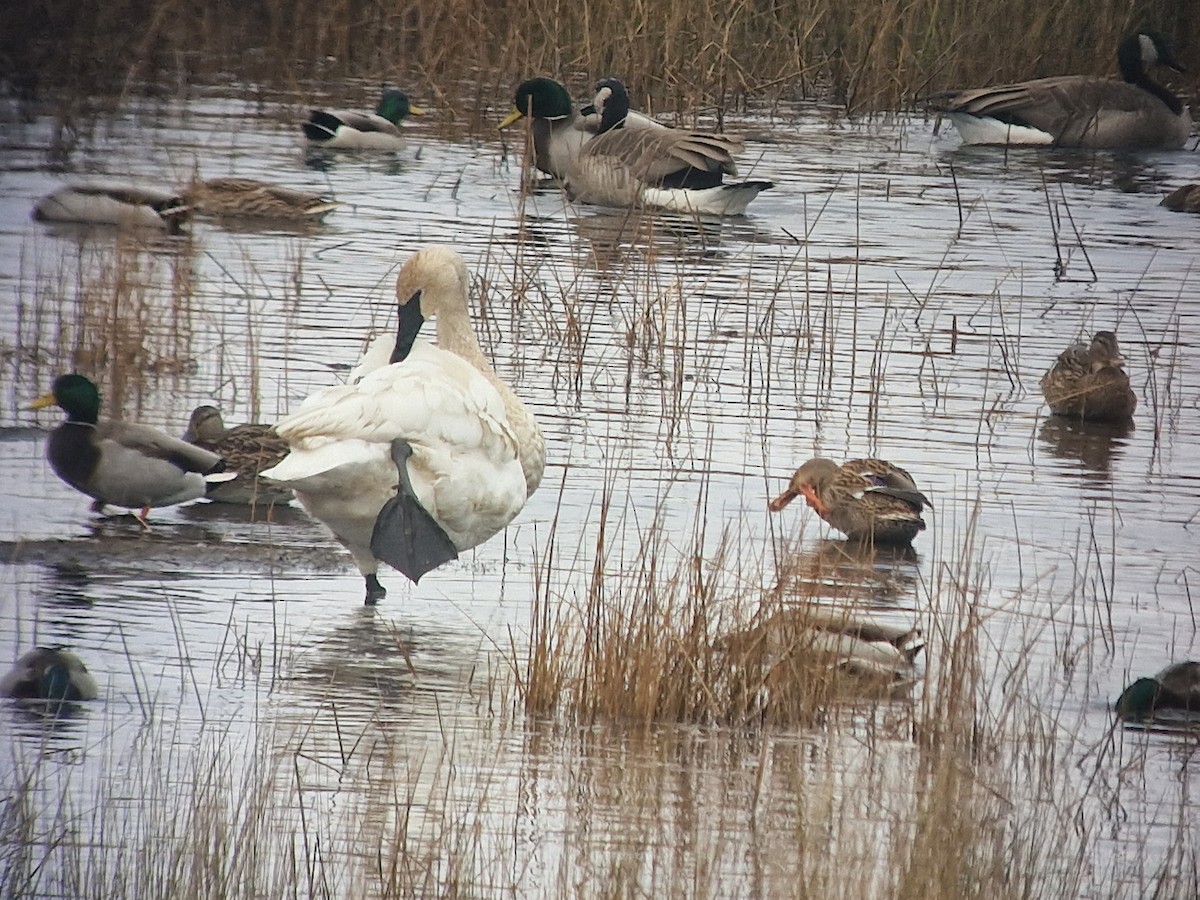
(465, 467)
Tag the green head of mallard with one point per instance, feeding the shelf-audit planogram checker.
(395, 106)
(75, 394)
(56, 683)
(541, 98)
(1139, 700)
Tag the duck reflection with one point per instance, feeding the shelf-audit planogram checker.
(614, 237)
(1092, 444)
(69, 584)
(387, 163)
(853, 571)
(206, 514)
(1124, 172)
(539, 231)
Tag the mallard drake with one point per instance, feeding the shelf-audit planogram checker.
(428, 453)
(1177, 687)
(683, 171)
(1078, 110)
(1184, 199)
(120, 463)
(865, 499)
(828, 637)
(1088, 382)
(124, 205)
(362, 131)
(46, 673)
(247, 198)
(247, 450)
(559, 131)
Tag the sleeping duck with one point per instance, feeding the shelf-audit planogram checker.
(46, 673)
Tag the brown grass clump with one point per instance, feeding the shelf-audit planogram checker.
(656, 638)
(864, 54)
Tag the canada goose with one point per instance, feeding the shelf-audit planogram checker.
(428, 453)
(1184, 199)
(247, 198)
(362, 131)
(1078, 110)
(559, 131)
(1176, 687)
(682, 171)
(124, 205)
(1087, 382)
(865, 499)
(134, 466)
(46, 673)
(247, 451)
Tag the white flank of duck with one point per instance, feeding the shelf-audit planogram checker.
(424, 456)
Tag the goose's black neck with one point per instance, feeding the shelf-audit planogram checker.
(616, 105)
(1132, 63)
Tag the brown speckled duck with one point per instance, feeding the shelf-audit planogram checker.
(1184, 199)
(246, 198)
(1088, 382)
(865, 499)
(246, 449)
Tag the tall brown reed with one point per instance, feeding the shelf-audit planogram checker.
(109, 311)
(676, 54)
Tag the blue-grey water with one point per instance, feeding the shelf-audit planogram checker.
(894, 295)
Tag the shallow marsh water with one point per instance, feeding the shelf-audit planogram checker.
(894, 295)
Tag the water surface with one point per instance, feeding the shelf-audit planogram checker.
(894, 295)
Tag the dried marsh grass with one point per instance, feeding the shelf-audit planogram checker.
(121, 313)
(677, 56)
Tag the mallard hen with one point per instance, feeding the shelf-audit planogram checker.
(865, 499)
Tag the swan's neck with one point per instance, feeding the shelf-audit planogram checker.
(455, 334)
